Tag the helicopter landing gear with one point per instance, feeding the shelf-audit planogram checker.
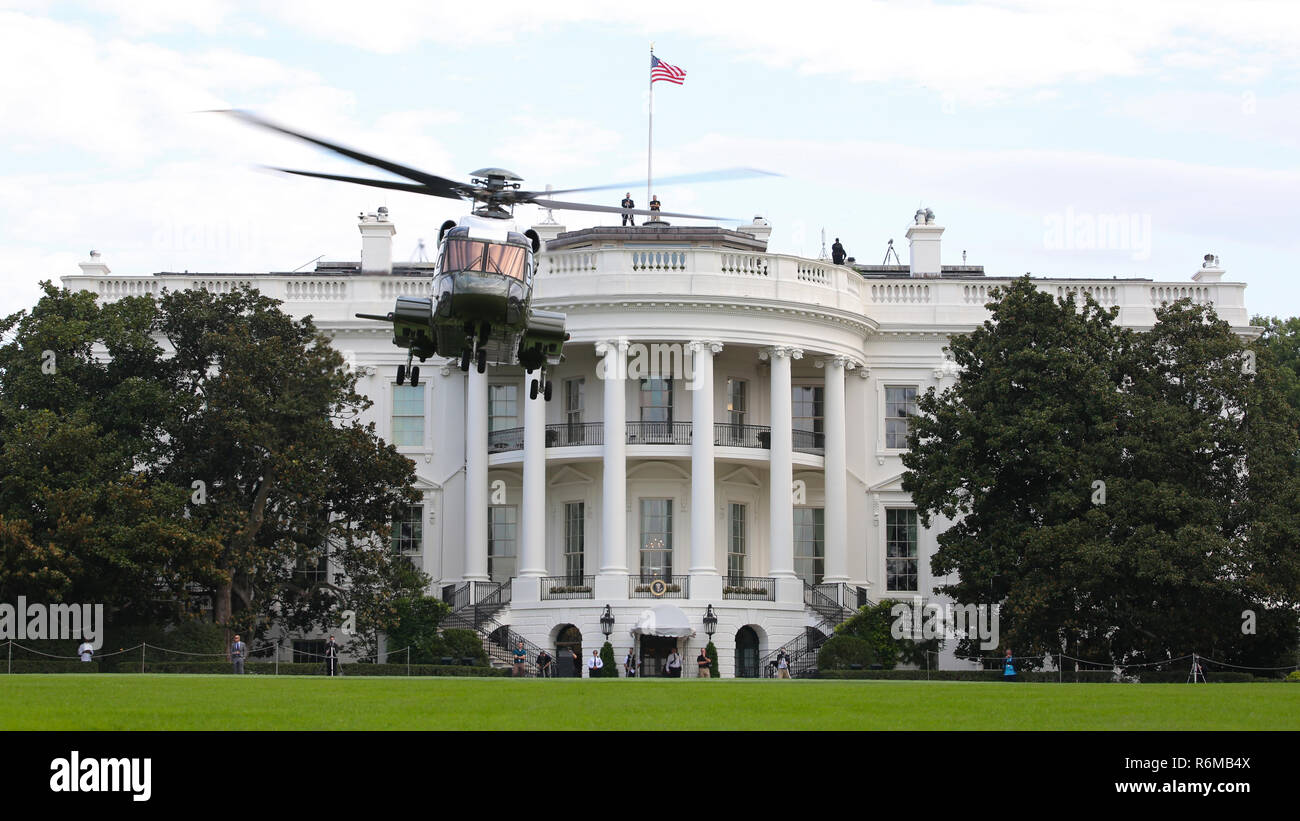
(532, 390)
(415, 376)
(547, 394)
(481, 362)
(401, 374)
(464, 360)
(540, 385)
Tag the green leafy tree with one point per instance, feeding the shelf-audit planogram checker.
(414, 624)
(844, 651)
(609, 666)
(874, 626)
(712, 653)
(1198, 461)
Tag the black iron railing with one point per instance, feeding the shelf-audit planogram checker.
(573, 434)
(567, 587)
(749, 588)
(508, 439)
(658, 433)
(742, 436)
(806, 441)
(659, 587)
(801, 655)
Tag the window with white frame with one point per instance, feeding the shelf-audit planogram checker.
(737, 401)
(408, 530)
(503, 407)
(656, 538)
(810, 543)
(574, 390)
(503, 540)
(900, 549)
(574, 541)
(408, 416)
(900, 407)
(736, 547)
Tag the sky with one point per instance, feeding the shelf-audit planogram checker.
(1020, 123)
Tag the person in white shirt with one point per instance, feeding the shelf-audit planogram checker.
(594, 665)
(674, 664)
(86, 651)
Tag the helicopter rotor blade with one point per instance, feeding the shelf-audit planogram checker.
(703, 176)
(414, 188)
(611, 209)
(448, 188)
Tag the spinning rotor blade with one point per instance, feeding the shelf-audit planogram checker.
(703, 176)
(437, 186)
(611, 209)
(414, 188)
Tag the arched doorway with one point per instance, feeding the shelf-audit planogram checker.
(746, 653)
(568, 643)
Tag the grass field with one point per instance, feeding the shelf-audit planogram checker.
(179, 702)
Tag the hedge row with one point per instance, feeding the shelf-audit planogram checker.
(1087, 676)
(263, 668)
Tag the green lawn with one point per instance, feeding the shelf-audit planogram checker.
(180, 702)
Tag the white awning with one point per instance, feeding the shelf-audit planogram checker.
(663, 620)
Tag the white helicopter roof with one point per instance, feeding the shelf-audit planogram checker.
(487, 228)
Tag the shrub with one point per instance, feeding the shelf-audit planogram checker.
(610, 668)
(712, 653)
(416, 625)
(464, 644)
(841, 652)
(1294, 675)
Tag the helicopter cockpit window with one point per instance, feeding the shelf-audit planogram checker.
(469, 255)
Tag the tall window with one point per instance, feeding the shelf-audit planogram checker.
(736, 543)
(656, 538)
(574, 541)
(900, 406)
(810, 543)
(737, 402)
(656, 400)
(574, 390)
(408, 530)
(807, 404)
(408, 416)
(503, 407)
(900, 549)
(503, 538)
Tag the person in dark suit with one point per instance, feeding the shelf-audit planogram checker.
(838, 255)
(627, 214)
(331, 658)
(577, 663)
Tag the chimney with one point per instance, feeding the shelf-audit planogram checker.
(376, 242)
(1209, 270)
(94, 268)
(923, 245)
(760, 229)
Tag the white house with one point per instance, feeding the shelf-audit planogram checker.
(727, 421)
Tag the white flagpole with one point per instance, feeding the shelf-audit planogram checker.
(650, 148)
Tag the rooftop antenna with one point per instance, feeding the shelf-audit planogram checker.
(823, 257)
(419, 255)
(890, 252)
(550, 217)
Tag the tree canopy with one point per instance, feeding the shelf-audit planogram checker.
(1124, 495)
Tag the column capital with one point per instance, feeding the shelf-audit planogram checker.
(780, 352)
(621, 344)
(710, 345)
(838, 361)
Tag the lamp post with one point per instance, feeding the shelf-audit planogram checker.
(710, 622)
(607, 622)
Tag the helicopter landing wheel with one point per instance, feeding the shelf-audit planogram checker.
(464, 360)
(532, 390)
(401, 374)
(547, 392)
(481, 364)
(415, 376)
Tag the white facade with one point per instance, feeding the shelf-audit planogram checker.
(826, 355)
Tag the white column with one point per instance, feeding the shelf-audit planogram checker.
(532, 558)
(476, 476)
(837, 488)
(781, 475)
(613, 535)
(703, 527)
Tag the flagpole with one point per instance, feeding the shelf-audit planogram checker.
(650, 144)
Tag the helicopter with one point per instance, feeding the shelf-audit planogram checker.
(480, 310)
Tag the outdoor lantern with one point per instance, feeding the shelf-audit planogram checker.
(710, 622)
(607, 622)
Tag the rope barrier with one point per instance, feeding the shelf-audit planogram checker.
(1243, 667)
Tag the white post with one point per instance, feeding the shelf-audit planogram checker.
(650, 141)
(781, 475)
(703, 527)
(837, 492)
(612, 582)
(476, 476)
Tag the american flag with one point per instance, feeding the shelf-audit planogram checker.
(659, 70)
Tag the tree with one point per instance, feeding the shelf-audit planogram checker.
(414, 624)
(1120, 494)
(712, 653)
(609, 666)
(224, 466)
(873, 625)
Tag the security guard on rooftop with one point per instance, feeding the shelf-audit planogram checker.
(627, 214)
